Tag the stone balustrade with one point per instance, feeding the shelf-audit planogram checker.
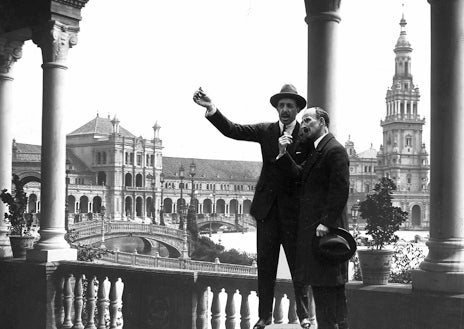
(155, 261)
(87, 295)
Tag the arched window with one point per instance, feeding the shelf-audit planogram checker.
(220, 206)
(84, 204)
(101, 178)
(416, 216)
(128, 180)
(167, 206)
(138, 180)
(138, 207)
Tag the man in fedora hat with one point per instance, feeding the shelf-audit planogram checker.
(274, 204)
(325, 186)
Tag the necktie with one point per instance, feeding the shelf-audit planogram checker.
(283, 130)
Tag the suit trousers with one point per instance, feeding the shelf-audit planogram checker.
(331, 307)
(272, 232)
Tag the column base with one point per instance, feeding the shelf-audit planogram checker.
(450, 282)
(45, 256)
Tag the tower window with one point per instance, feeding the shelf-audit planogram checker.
(408, 141)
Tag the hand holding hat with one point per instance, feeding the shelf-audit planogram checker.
(337, 246)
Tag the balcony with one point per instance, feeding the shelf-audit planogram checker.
(76, 295)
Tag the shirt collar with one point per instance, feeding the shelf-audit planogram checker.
(288, 128)
(317, 141)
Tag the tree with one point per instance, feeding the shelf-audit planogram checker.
(383, 219)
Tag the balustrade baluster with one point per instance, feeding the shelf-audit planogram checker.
(292, 316)
(67, 301)
(91, 303)
(245, 310)
(59, 313)
(114, 301)
(278, 312)
(230, 308)
(202, 304)
(216, 309)
(78, 303)
(102, 302)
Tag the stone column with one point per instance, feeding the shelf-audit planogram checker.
(323, 20)
(10, 52)
(54, 39)
(443, 268)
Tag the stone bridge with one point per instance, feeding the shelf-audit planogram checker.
(91, 233)
(241, 222)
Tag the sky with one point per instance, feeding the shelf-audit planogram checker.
(142, 63)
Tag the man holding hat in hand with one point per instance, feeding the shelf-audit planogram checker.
(323, 219)
(275, 204)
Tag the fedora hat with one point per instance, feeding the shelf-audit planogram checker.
(288, 91)
(337, 246)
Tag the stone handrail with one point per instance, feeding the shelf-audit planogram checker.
(155, 261)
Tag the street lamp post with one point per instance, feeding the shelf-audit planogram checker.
(153, 201)
(355, 213)
(181, 206)
(192, 208)
(66, 204)
(162, 201)
(102, 244)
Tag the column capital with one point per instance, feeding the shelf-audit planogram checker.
(10, 52)
(326, 10)
(55, 39)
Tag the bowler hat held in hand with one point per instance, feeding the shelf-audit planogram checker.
(337, 246)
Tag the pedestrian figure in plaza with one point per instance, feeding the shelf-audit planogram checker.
(274, 205)
(323, 196)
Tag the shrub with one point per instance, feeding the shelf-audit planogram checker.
(407, 257)
(382, 219)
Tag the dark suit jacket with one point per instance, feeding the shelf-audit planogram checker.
(325, 187)
(273, 185)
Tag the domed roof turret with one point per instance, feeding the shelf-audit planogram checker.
(403, 44)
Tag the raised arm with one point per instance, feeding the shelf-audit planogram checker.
(247, 132)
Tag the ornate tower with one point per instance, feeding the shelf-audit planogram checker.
(403, 156)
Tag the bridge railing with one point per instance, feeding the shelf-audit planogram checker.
(93, 228)
(155, 261)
